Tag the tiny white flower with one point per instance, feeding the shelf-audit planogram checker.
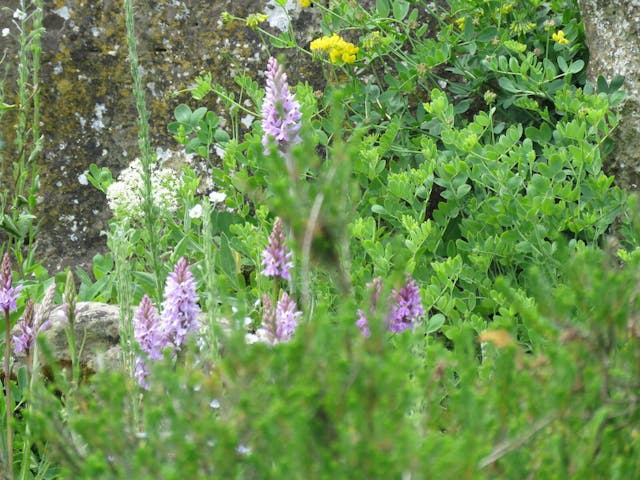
(251, 338)
(217, 197)
(261, 336)
(214, 403)
(19, 14)
(243, 450)
(125, 197)
(5, 32)
(196, 211)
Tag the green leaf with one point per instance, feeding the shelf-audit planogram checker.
(221, 136)
(487, 34)
(435, 323)
(90, 292)
(577, 66)
(9, 226)
(198, 114)
(147, 280)
(508, 85)
(400, 9)
(602, 85)
(616, 83)
(182, 113)
(379, 209)
(382, 6)
(541, 135)
(562, 63)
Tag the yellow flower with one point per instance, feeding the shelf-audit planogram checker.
(460, 23)
(255, 19)
(559, 37)
(371, 41)
(337, 48)
(522, 27)
(305, 3)
(515, 46)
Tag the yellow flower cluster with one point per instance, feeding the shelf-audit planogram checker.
(559, 37)
(337, 47)
(255, 19)
(506, 9)
(305, 3)
(522, 27)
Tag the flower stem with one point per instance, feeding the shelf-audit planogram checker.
(7, 394)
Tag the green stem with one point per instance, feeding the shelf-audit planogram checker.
(210, 278)
(150, 213)
(7, 394)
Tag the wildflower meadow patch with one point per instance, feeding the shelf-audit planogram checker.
(420, 270)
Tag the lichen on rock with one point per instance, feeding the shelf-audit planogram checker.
(88, 111)
(612, 31)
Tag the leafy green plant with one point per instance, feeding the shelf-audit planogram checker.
(18, 200)
(449, 174)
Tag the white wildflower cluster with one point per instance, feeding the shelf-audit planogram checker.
(217, 197)
(125, 196)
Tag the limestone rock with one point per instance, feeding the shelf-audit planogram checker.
(612, 30)
(97, 331)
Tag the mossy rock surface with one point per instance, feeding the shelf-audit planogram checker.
(88, 109)
(612, 31)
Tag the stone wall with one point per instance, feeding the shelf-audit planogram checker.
(612, 30)
(88, 111)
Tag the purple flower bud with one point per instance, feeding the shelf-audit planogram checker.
(280, 110)
(180, 307)
(141, 373)
(8, 294)
(363, 324)
(287, 317)
(281, 324)
(44, 310)
(33, 322)
(375, 286)
(147, 329)
(406, 308)
(26, 333)
(275, 258)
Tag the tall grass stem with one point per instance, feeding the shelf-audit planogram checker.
(150, 210)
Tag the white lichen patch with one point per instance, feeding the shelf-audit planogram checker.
(247, 120)
(82, 178)
(70, 224)
(64, 12)
(182, 11)
(98, 111)
(81, 120)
